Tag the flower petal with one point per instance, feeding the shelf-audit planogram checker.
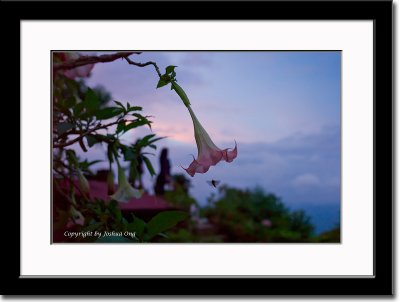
(229, 156)
(209, 156)
(196, 167)
(126, 193)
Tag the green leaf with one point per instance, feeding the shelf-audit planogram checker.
(161, 83)
(115, 210)
(147, 137)
(69, 102)
(94, 162)
(64, 127)
(137, 225)
(121, 127)
(104, 138)
(71, 157)
(170, 69)
(145, 140)
(134, 108)
(91, 140)
(91, 101)
(85, 164)
(129, 154)
(133, 172)
(145, 153)
(149, 165)
(163, 222)
(106, 113)
(120, 104)
(77, 109)
(110, 153)
(138, 115)
(181, 93)
(154, 140)
(136, 123)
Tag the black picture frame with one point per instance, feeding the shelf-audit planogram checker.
(378, 11)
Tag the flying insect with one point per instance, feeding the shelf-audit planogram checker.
(213, 182)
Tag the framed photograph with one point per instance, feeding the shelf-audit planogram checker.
(249, 145)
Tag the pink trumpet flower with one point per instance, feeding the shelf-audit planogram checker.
(208, 153)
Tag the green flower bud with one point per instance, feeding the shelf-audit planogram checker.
(83, 183)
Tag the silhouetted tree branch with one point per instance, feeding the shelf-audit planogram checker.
(61, 145)
(85, 60)
(144, 64)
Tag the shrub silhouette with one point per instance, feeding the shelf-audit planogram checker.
(255, 216)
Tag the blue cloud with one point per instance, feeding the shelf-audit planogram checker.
(303, 168)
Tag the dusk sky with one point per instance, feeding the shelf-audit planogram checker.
(282, 108)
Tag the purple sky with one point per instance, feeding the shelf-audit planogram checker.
(282, 108)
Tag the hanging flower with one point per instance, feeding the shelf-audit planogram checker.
(83, 183)
(208, 153)
(125, 192)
